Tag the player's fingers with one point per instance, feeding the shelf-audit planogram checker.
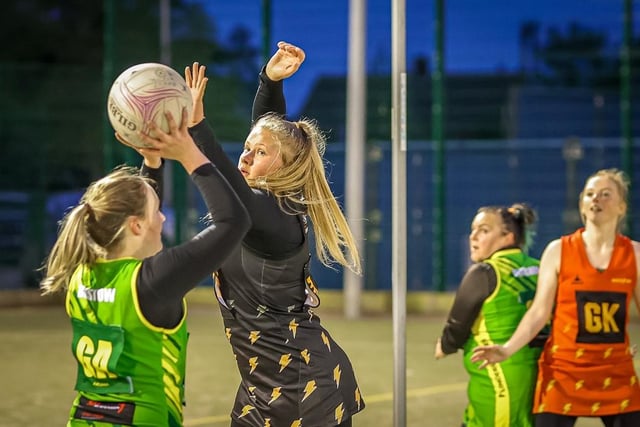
(185, 119)
(203, 84)
(194, 70)
(149, 141)
(187, 75)
(171, 121)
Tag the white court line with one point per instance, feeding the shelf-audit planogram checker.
(375, 398)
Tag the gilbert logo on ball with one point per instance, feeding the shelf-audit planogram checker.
(143, 93)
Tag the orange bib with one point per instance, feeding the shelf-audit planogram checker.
(586, 368)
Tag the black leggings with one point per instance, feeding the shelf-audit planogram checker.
(628, 419)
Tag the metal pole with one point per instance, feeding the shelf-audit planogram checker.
(165, 32)
(625, 104)
(107, 81)
(355, 146)
(176, 193)
(399, 212)
(266, 30)
(437, 132)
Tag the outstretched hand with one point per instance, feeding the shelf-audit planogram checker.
(438, 353)
(285, 62)
(177, 144)
(489, 354)
(197, 83)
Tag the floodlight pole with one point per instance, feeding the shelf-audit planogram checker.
(266, 30)
(355, 147)
(399, 206)
(437, 132)
(107, 80)
(176, 193)
(626, 113)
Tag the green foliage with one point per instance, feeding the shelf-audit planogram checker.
(574, 56)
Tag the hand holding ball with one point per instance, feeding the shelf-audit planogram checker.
(143, 93)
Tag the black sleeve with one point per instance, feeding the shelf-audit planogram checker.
(166, 277)
(269, 97)
(476, 286)
(157, 176)
(268, 220)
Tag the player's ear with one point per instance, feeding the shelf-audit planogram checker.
(134, 225)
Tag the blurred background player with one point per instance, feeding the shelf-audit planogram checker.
(587, 280)
(492, 298)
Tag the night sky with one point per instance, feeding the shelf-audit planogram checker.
(480, 35)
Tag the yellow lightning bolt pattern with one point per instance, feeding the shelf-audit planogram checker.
(253, 362)
(336, 375)
(245, 410)
(325, 340)
(566, 408)
(297, 423)
(308, 389)
(267, 422)
(554, 348)
(566, 328)
(541, 407)
(285, 359)
(624, 404)
(339, 412)
(608, 352)
(595, 407)
(551, 384)
(306, 355)
(227, 332)
(358, 397)
(606, 383)
(293, 327)
(254, 336)
(633, 380)
(579, 353)
(579, 384)
(275, 394)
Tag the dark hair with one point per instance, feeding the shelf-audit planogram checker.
(518, 219)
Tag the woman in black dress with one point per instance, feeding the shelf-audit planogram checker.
(293, 373)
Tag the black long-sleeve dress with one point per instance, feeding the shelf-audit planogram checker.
(293, 373)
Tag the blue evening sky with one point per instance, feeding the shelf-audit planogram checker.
(480, 35)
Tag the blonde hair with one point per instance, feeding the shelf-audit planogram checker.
(621, 183)
(301, 181)
(96, 225)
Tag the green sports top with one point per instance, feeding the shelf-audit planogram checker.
(121, 356)
(501, 394)
(500, 314)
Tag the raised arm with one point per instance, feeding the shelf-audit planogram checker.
(537, 315)
(270, 96)
(152, 166)
(166, 277)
